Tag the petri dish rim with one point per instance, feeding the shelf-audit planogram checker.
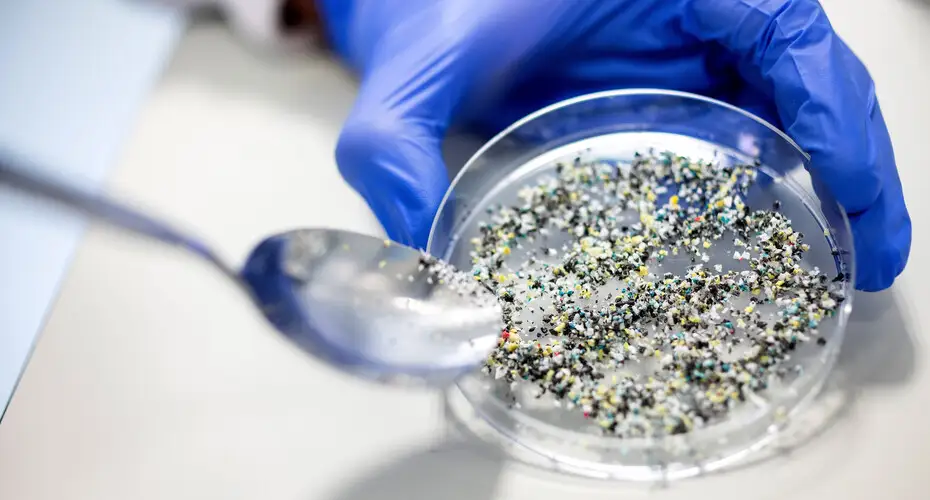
(811, 381)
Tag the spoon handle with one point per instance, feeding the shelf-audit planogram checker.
(99, 207)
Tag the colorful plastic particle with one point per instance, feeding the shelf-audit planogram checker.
(686, 321)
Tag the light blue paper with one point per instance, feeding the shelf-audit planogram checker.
(72, 77)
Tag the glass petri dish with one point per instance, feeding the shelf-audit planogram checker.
(615, 125)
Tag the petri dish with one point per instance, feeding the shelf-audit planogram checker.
(614, 126)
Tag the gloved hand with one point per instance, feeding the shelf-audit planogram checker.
(421, 60)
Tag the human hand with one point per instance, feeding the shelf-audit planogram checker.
(421, 60)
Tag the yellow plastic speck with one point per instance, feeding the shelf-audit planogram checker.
(382, 264)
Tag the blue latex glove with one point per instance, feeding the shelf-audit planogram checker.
(420, 60)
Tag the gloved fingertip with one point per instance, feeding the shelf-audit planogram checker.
(880, 258)
(398, 170)
(879, 274)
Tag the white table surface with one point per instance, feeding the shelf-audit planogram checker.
(153, 379)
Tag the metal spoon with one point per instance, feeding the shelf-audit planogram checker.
(363, 305)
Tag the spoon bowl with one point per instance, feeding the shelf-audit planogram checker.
(378, 309)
